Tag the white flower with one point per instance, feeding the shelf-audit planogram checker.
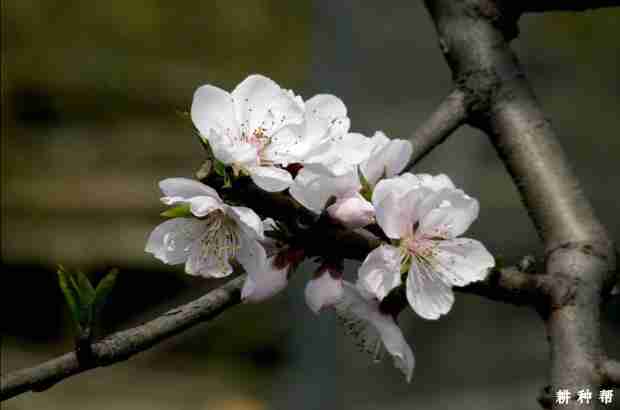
(247, 128)
(207, 242)
(382, 158)
(272, 276)
(424, 216)
(373, 329)
(325, 289)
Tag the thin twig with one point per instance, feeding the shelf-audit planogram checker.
(448, 116)
(122, 345)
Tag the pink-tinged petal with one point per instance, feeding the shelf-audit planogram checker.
(251, 255)
(271, 179)
(201, 206)
(313, 190)
(261, 103)
(397, 214)
(461, 261)
(186, 188)
(428, 295)
(402, 184)
(324, 291)
(265, 283)
(387, 159)
(171, 240)
(213, 112)
(390, 186)
(380, 271)
(247, 220)
(352, 211)
(447, 214)
(372, 329)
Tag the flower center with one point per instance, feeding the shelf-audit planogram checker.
(260, 140)
(420, 249)
(221, 240)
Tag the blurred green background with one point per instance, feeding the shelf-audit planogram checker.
(90, 95)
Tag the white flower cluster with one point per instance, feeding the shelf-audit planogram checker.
(264, 131)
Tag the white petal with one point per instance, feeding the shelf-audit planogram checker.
(186, 188)
(388, 158)
(326, 115)
(170, 241)
(402, 184)
(261, 103)
(447, 214)
(427, 294)
(264, 283)
(436, 182)
(324, 291)
(343, 156)
(212, 109)
(370, 327)
(251, 255)
(271, 179)
(396, 214)
(461, 261)
(313, 190)
(352, 211)
(201, 206)
(380, 271)
(249, 222)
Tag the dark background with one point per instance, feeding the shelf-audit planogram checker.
(90, 94)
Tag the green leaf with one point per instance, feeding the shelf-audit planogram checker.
(182, 210)
(366, 190)
(219, 167)
(70, 292)
(103, 291)
(85, 288)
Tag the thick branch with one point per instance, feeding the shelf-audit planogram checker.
(122, 345)
(450, 114)
(512, 286)
(611, 373)
(580, 256)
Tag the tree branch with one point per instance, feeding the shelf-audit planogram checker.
(580, 255)
(122, 345)
(611, 373)
(448, 116)
(510, 285)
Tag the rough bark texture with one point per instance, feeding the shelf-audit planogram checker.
(492, 94)
(122, 345)
(474, 36)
